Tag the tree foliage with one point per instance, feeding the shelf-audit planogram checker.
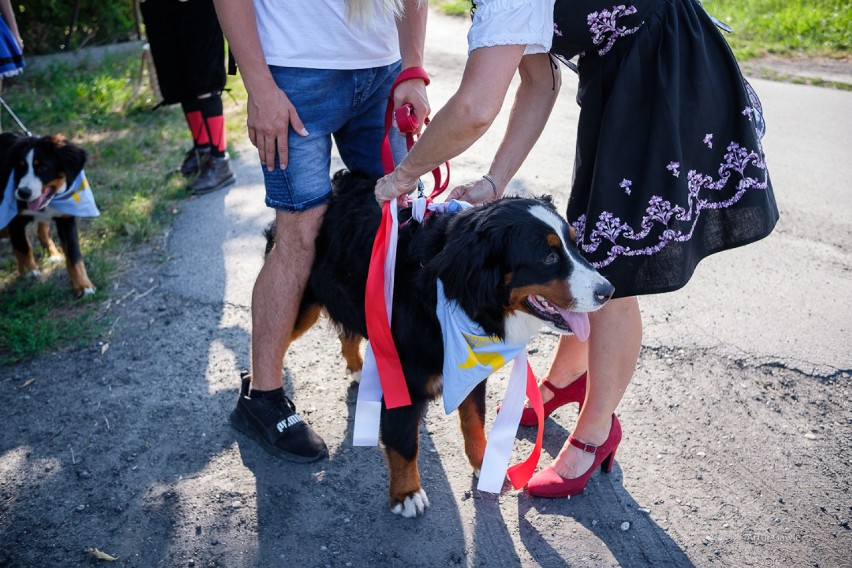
(50, 26)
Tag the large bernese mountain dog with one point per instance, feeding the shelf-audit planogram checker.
(511, 265)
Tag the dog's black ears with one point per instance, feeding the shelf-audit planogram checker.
(73, 157)
(470, 268)
(545, 199)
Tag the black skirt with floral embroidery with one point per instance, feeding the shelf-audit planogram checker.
(669, 168)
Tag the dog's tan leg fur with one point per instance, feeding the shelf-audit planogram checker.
(473, 430)
(404, 476)
(304, 321)
(46, 241)
(79, 278)
(26, 262)
(351, 349)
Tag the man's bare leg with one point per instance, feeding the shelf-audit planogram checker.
(264, 412)
(277, 293)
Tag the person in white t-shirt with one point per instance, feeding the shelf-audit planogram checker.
(314, 70)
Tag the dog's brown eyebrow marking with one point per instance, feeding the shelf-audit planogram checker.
(554, 240)
(56, 183)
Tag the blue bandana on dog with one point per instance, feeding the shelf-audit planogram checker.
(470, 355)
(76, 201)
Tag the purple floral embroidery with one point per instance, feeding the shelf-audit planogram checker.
(604, 26)
(626, 184)
(665, 222)
(556, 31)
(708, 140)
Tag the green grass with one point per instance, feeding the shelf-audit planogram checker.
(783, 27)
(35, 316)
(453, 7)
(786, 27)
(131, 149)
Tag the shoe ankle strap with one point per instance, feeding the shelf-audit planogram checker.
(588, 448)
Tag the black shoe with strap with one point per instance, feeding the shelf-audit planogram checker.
(215, 174)
(193, 160)
(271, 421)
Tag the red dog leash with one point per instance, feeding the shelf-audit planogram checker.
(408, 123)
(379, 292)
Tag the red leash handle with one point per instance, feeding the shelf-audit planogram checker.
(406, 120)
(408, 124)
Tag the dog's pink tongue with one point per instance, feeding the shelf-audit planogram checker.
(579, 323)
(35, 205)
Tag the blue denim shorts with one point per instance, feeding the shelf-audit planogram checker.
(348, 105)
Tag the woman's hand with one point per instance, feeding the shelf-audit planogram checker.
(393, 185)
(477, 191)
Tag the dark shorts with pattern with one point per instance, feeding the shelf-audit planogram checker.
(187, 45)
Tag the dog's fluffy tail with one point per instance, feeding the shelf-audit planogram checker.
(269, 233)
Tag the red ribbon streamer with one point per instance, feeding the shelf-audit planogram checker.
(521, 473)
(394, 389)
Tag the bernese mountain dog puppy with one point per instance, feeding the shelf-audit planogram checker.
(38, 170)
(510, 265)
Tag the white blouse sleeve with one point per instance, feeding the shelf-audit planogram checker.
(512, 22)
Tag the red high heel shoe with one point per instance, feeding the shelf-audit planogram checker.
(575, 392)
(548, 483)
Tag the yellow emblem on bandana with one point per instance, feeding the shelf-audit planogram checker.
(469, 354)
(488, 359)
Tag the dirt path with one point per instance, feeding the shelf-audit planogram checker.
(125, 447)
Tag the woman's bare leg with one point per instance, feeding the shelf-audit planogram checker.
(613, 350)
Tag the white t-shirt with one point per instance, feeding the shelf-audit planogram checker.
(315, 34)
(512, 22)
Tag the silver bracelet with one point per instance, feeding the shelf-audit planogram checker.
(487, 178)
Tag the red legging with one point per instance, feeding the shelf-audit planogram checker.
(206, 122)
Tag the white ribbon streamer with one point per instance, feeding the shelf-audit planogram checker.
(501, 438)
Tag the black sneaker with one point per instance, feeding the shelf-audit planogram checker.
(272, 422)
(215, 174)
(193, 160)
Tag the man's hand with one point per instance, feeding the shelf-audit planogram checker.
(270, 116)
(413, 92)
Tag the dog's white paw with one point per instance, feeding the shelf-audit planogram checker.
(55, 259)
(477, 472)
(415, 504)
(356, 377)
(34, 273)
(87, 292)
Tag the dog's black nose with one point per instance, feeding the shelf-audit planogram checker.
(24, 193)
(604, 292)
